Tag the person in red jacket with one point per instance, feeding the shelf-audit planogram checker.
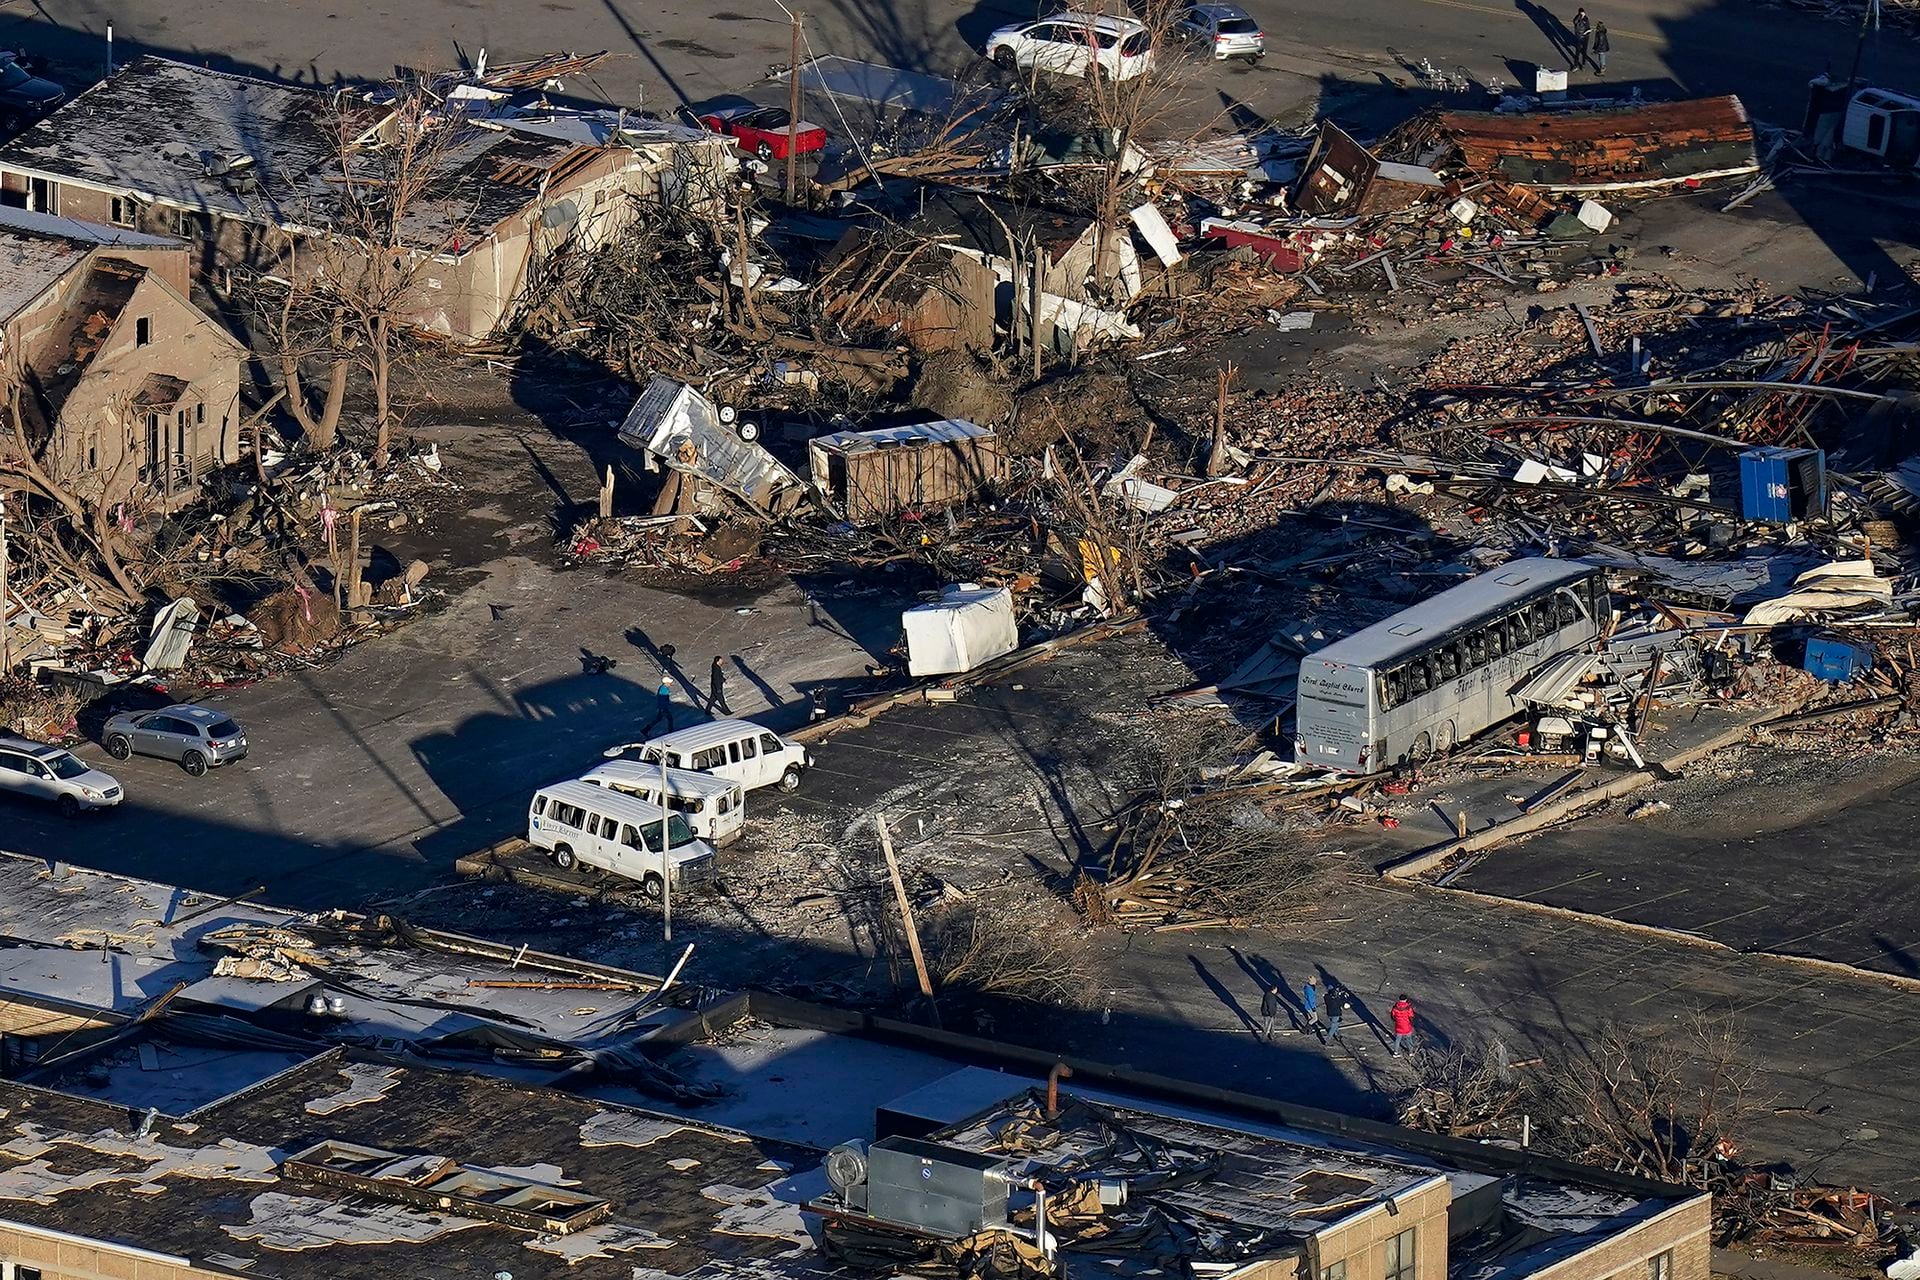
(1402, 1015)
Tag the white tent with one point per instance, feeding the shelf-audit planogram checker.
(969, 625)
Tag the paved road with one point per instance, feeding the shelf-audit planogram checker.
(674, 51)
(372, 775)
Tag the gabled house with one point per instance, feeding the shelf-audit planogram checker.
(125, 387)
(238, 166)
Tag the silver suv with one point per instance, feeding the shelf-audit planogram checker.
(1224, 30)
(198, 737)
(30, 768)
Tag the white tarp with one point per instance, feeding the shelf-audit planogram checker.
(969, 625)
(172, 635)
(1153, 228)
(1839, 587)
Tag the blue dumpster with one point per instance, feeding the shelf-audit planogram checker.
(1779, 484)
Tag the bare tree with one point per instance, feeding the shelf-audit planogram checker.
(989, 948)
(1666, 1104)
(346, 295)
(1124, 112)
(1186, 847)
(83, 521)
(303, 326)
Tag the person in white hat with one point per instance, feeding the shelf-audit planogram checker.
(662, 706)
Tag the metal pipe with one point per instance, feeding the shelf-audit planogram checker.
(1040, 1219)
(1060, 1071)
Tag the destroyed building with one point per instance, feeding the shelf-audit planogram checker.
(203, 1088)
(930, 466)
(125, 386)
(239, 166)
(1080, 299)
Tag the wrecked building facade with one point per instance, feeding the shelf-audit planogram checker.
(126, 386)
(244, 168)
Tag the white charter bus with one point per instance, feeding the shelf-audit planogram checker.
(1432, 676)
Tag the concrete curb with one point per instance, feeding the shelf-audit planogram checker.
(1425, 860)
(861, 714)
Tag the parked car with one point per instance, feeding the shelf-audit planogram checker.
(1074, 44)
(198, 737)
(45, 772)
(763, 131)
(737, 750)
(1226, 30)
(24, 97)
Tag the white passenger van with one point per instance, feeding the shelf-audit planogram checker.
(579, 823)
(715, 808)
(737, 750)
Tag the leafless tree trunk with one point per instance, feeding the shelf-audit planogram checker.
(1667, 1104)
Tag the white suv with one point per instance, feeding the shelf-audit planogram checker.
(53, 773)
(1073, 44)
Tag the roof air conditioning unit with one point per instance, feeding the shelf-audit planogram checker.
(936, 1190)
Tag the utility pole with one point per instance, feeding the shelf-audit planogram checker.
(906, 916)
(666, 861)
(793, 114)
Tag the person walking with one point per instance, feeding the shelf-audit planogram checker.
(1269, 1010)
(717, 689)
(662, 706)
(1582, 38)
(1310, 1005)
(1337, 1005)
(1601, 47)
(1402, 1016)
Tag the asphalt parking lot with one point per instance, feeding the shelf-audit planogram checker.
(370, 775)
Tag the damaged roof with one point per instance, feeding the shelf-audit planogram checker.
(1606, 148)
(254, 150)
(109, 946)
(978, 222)
(348, 1169)
(37, 250)
(154, 125)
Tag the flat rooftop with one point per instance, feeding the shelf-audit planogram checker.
(676, 1197)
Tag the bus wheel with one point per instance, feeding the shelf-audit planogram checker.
(1443, 738)
(1422, 748)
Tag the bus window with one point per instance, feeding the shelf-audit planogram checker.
(1417, 682)
(1543, 624)
(1478, 643)
(1497, 637)
(1393, 687)
(1449, 662)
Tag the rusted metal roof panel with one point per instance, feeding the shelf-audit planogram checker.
(1613, 148)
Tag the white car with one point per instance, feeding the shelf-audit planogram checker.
(1075, 44)
(46, 772)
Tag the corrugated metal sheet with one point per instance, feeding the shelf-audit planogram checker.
(1607, 149)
